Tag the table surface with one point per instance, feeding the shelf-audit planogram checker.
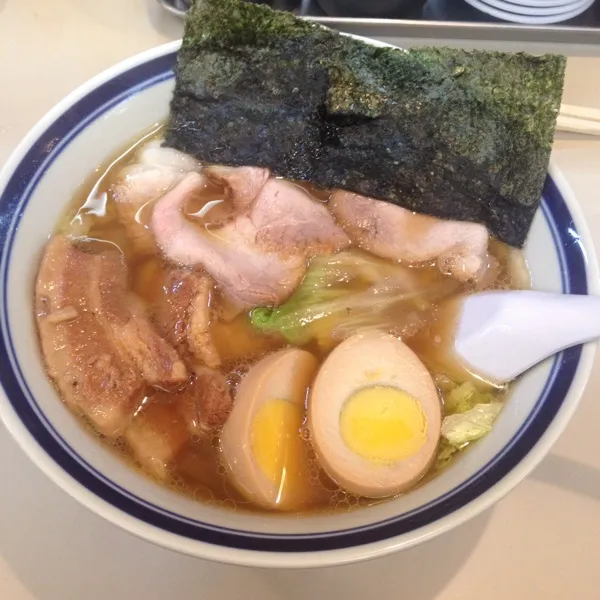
(540, 542)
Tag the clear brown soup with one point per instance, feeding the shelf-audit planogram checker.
(196, 471)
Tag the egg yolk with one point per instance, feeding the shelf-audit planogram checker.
(383, 424)
(277, 446)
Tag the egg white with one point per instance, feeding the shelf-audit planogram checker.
(283, 375)
(364, 360)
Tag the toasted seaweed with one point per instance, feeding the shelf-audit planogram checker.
(451, 133)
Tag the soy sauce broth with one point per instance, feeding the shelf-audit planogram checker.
(197, 471)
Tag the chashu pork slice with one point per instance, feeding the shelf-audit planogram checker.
(242, 184)
(259, 257)
(389, 231)
(141, 183)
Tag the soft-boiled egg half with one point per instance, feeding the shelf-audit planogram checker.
(261, 442)
(374, 415)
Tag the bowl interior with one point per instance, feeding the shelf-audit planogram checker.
(62, 154)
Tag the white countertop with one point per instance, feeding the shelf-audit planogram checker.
(541, 542)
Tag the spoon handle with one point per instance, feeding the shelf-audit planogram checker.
(502, 334)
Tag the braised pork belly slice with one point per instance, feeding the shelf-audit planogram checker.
(157, 433)
(183, 316)
(165, 422)
(206, 402)
(124, 316)
(98, 346)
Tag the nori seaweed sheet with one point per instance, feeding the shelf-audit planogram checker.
(455, 134)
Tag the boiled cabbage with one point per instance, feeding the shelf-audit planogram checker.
(464, 397)
(461, 428)
(445, 454)
(352, 291)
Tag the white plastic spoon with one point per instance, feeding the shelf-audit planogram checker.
(499, 335)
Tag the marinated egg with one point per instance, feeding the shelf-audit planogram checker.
(374, 415)
(261, 442)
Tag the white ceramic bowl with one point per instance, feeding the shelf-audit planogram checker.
(519, 14)
(35, 185)
(557, 4)
(553, 11)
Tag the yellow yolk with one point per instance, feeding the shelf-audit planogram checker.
(277, 446)
(383, 424)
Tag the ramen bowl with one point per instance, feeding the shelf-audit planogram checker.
(36, 184)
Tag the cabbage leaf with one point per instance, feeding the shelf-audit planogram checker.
(461, 428)
(353, 291)
(464, 397)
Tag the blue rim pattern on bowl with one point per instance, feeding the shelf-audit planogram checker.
(12, 205)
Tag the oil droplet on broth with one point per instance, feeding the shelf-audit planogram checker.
(228, 504)
(305, 435)
(342, 505)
